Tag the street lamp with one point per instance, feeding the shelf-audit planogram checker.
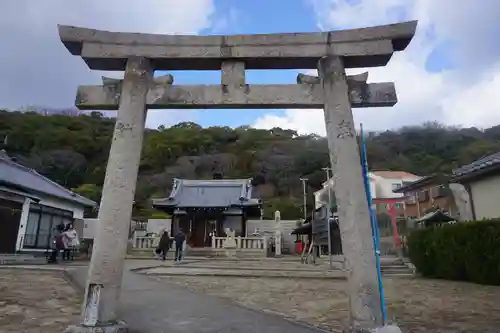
(304, 180)
(327, 170)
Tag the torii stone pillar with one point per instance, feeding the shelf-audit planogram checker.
(354, 215)
(104, 280)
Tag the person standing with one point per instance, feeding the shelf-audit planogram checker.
(66, 243)
(57, 244)
(72, 241)
(179, 238)
(164, 245)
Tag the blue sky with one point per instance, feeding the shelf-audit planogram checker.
(249, 17)
(450, 72)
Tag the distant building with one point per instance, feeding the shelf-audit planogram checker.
(203, 208)
(382, 186)
(31, 205)
(426, 194)
(481, 179)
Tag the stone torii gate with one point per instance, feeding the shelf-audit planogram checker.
(139, 55)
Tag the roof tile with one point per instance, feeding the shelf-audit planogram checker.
(14, 174)
(480, 164)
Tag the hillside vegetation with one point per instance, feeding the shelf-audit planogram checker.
(72, 150)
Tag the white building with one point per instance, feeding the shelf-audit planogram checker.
(382, 183)
(31, 206)
(481, 179)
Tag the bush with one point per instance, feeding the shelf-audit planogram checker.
(468, 251)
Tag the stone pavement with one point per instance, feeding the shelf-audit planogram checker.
(151, 306)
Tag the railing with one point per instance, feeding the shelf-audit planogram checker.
(257, 243)
(145, 242)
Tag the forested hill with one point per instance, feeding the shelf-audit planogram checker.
(72, 150)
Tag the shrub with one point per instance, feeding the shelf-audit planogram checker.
(468, 251)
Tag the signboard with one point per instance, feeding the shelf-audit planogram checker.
(320, 226)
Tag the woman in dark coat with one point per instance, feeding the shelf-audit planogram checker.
(164, 245)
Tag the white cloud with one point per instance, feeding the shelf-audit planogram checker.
(463, 95)
(36, 69)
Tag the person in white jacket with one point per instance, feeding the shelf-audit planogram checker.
(71, 241)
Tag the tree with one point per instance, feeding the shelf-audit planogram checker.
(72, 149)
(90, 191)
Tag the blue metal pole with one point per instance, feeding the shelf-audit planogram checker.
(374, 224)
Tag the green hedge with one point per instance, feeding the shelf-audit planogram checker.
(468, 251)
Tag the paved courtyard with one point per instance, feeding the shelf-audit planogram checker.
(36, 301)
(417, 305)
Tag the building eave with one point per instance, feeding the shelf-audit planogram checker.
(482, 173)
(417, 185)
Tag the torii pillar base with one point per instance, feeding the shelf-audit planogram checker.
(119, 327)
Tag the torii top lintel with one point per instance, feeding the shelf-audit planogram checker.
(365, 47)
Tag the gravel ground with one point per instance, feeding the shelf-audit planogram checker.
(34, 301)
(417, 305)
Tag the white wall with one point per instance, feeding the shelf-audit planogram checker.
(89, 228)
(22, 224)
(269, 227)
(485, 197)
(319, 193)
(384, 186)
(158, 225)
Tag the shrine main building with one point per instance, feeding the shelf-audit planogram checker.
(202, 208)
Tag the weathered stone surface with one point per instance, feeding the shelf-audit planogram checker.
(354, 213)
(110, 245)
(119, 327)
(272, 96)
(364, 47)
(387, 329)
(311, 79)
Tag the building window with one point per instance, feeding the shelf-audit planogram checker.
(396, 186)
(41, 223)
(398, 205)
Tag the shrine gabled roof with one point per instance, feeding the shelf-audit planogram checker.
(478, 167)
(16, 176)
(214, 193)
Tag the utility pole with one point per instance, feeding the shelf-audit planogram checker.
(329, 210)
(304, 180)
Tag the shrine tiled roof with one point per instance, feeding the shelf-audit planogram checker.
(481, 165)
(15, 175)
(214, 193)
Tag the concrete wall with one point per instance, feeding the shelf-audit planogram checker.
(385, 186)
(268, 227)
(158, 225)
(89, 228)
(485, 196)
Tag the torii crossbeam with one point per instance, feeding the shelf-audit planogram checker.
(308, 94)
